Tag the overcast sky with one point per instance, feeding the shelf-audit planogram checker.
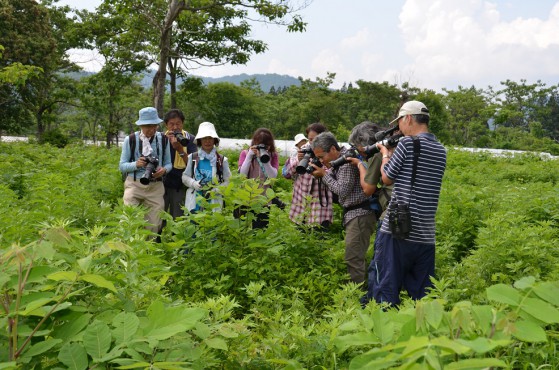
(428, 43)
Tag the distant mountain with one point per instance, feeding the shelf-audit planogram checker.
(266, 81)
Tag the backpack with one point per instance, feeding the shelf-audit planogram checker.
(219, 165)
(378, 202)
(132, 145)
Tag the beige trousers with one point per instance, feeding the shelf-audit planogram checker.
(150, 196)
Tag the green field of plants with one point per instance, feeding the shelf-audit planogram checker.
(82, 288)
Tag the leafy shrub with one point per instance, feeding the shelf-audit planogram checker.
(55, 138)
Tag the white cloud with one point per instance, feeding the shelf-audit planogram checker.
(467, 42)
(358, 40)
(327, 60)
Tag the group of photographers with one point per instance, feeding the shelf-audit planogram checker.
(388, 181)
(399, 170)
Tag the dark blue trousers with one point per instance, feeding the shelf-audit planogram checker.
(399, 264)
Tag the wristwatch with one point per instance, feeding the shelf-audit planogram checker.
(385, 156)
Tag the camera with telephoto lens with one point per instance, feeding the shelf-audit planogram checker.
(304, 164)
(379, 136)
(389, 142)
(152, 163)
(263, 153)
(180, 138)
(399, 219)
(352, 152)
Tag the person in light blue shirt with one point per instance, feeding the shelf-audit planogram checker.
(145, 162)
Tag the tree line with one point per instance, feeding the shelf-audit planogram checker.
(40, 94)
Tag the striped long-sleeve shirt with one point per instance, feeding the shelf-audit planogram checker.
(423, 199)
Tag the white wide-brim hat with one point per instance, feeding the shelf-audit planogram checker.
(299, 138)
(206, 129)
(148, 116)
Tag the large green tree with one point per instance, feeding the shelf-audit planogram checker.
(35, 34)
(202, 31)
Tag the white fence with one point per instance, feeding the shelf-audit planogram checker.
(284, 147)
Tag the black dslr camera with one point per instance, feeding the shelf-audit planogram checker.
(152, 163)
(263, 153)
(309, 158)
(389, 142)
(399, 219)
(350, 153)
(180, 138)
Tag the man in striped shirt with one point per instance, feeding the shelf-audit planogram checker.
(408, 261)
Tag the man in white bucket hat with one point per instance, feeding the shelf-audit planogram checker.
(145, 159)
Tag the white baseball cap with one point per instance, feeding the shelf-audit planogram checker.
(411, 107)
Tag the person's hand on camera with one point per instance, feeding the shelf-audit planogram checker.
(196, 185)
(160, 172)
(353, 161)
(300, 155)
(318, 171)
(141, 162)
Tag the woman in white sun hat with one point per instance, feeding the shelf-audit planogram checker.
(205, 169)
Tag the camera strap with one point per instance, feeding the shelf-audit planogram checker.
(416, 152)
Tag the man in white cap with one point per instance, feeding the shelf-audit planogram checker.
(404, 255)
(145, 159)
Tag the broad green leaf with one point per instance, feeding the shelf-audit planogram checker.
(41, 347)
(84, 263)
(374, 359)
(504, 294)
(483, 345)
(525, 283)
(137, 365)
(125, 327)
(383, 328)
(8, 365)
(58, 236)
(202, 330)
(540, 310)
(350, 326)
(32, 306)
(227, 332)
(450, 345)
(97, 339)
(475, 363)
(528, 331)
(434, 313)
(63, 276)
(73, 355)
(45, 250)
(71, 328)
(344, 342)
(217, 343)
(39, 273)
(170, 365)
(548, 291)
(99, 281)
(164, 322)
(483, 315)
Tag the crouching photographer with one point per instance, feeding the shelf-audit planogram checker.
(145, 159)
(358, 218)
(404, 254)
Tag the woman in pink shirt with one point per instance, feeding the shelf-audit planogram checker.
(260, 161)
